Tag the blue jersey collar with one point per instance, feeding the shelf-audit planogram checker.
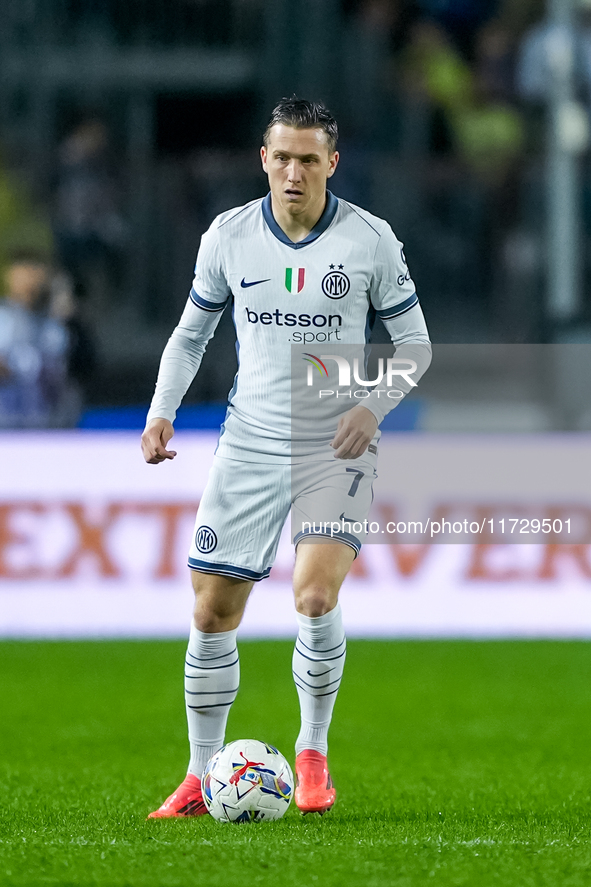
(332, 204)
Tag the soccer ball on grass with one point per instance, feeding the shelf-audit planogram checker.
(247, 781)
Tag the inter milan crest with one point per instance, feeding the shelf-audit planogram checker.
(205, 539)
(336, 284)
(294, 279)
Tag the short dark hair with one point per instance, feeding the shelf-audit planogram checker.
(302, 114)
(26, 256)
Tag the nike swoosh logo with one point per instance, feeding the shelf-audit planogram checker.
(318, 674)
(244, 284)
(349, 520)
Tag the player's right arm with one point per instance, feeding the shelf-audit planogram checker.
(156, 435)
(185, 349)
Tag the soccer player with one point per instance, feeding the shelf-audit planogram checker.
(300, 265)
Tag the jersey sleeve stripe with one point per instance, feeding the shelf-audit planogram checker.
(205, 303)
(396, 310)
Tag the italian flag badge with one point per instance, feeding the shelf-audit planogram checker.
(294, 279)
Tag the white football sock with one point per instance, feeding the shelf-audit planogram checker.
(212, 676)
(318, 662)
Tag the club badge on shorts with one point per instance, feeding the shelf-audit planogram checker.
(205, 539)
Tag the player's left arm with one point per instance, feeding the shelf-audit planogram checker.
(357, 427)
(394, 297)
(355, 432)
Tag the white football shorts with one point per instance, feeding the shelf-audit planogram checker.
(245, 505)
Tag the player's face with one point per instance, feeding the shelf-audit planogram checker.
(27, 282)
(298, 164)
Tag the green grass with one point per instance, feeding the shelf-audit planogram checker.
(456, 763)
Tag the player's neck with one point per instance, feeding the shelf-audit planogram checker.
(297, 226)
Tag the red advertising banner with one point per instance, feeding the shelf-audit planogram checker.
(93, 543)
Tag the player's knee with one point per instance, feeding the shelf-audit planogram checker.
(210, 622)
(212, 616)
(315, 600)
(219, 602)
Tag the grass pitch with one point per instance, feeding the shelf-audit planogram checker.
(456, 763)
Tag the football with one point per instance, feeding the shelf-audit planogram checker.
(247, 781)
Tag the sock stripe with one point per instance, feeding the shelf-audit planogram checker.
(314, 650)
(217, 705)
(322, 658)
(211, 658)
(317, 695)
(316, 686)
(211, 667)
(209, 692)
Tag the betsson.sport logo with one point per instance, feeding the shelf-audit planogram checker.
(327, 326)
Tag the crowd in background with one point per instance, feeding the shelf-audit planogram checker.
(451, 151)
(46, 354)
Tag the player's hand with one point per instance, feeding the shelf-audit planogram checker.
(156, 435)
(355, 431)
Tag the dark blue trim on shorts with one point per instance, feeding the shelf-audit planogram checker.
(227, 570)
(348, 538)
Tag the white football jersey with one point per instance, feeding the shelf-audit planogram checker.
(324, 290)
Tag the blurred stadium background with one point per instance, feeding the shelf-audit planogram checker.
(125, 127)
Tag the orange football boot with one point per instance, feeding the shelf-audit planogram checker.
(187, 800)
(314, 789)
